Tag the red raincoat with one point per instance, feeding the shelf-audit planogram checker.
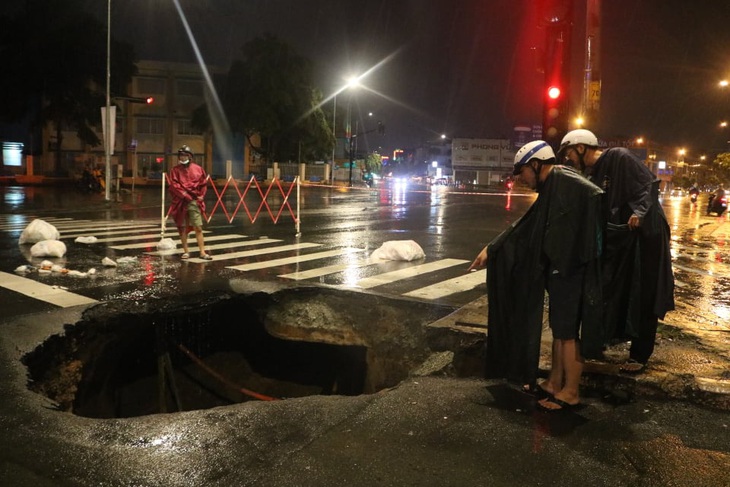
(187, 183)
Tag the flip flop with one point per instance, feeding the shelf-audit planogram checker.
(206, 257)
(185, 256)
(564, 406)
(536, 391)
(632, 366)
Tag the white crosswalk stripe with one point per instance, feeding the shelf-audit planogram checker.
(293, 260)
(414, 271)
(43, 292)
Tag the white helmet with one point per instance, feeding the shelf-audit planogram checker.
(579, 136)
(537, 149)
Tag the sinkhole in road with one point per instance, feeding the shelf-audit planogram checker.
(126, 359)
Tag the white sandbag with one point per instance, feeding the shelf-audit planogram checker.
(407, 250)
(86, 240)
(166, 244)
(37, 231)
(107, 262)
(127, 260)
(48, 248)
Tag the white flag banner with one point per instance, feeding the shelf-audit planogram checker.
(113, 123)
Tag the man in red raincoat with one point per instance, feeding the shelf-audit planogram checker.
(188, 183)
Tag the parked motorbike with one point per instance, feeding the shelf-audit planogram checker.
(717, 204)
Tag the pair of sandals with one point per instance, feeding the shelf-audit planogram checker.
(205, 256)
(541, 394)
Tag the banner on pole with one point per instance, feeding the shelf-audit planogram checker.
(113, 124)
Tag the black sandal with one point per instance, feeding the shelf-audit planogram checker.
(536, 391)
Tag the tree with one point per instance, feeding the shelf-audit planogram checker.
(270, 92)
(722, 166)
(374, 163)
(58, 72)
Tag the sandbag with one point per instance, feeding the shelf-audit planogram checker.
(407, 250)
(166, 244)
(39, 230)
(48, 248)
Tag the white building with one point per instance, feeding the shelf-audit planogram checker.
(482, 161)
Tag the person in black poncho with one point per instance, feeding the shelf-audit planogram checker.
(637, 264)
(556, 247)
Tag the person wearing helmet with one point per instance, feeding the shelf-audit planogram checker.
(636, 296)
(555, 246)
(569, 144)
(188, 184)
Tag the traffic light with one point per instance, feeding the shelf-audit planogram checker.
(150, 100)
(555, 119)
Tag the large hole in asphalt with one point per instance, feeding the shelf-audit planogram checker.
(125, 359)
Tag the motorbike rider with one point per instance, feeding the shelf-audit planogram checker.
(715, 201)
(694, 192)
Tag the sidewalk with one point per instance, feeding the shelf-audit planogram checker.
(685, 365)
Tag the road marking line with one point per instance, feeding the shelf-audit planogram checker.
(148, 244)
(294, 260)
(43, 292)
(107, 231)
(467, 282)
(191, 248)
(326, 270)
(252, 253)
(417, 270)
(24, 222)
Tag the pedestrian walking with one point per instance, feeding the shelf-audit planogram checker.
(637, 265)
(188, 184)
(554, 247)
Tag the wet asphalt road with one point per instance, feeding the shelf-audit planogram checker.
(427, 431)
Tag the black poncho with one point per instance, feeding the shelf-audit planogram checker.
(562, 230)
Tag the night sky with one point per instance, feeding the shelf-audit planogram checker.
(466, 68)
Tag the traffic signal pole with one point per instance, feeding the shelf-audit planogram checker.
(557, 18)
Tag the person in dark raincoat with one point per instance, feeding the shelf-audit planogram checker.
(637, 264)
(554, 247)
(188, 184)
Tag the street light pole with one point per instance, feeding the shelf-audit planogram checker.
(352, 138)
(334, 136)
(107, 113)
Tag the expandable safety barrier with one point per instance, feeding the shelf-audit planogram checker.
(232, 185)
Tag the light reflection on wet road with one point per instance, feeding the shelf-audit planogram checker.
(701, 260)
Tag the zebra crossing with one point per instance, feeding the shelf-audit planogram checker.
(316, 262)
(340, 267)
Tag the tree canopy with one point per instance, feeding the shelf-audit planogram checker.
(57, 58)
(270, 92)
(722, 164)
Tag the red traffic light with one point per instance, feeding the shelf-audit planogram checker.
(553, 92)
(149, 100)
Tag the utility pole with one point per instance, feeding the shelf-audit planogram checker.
(592, 77)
